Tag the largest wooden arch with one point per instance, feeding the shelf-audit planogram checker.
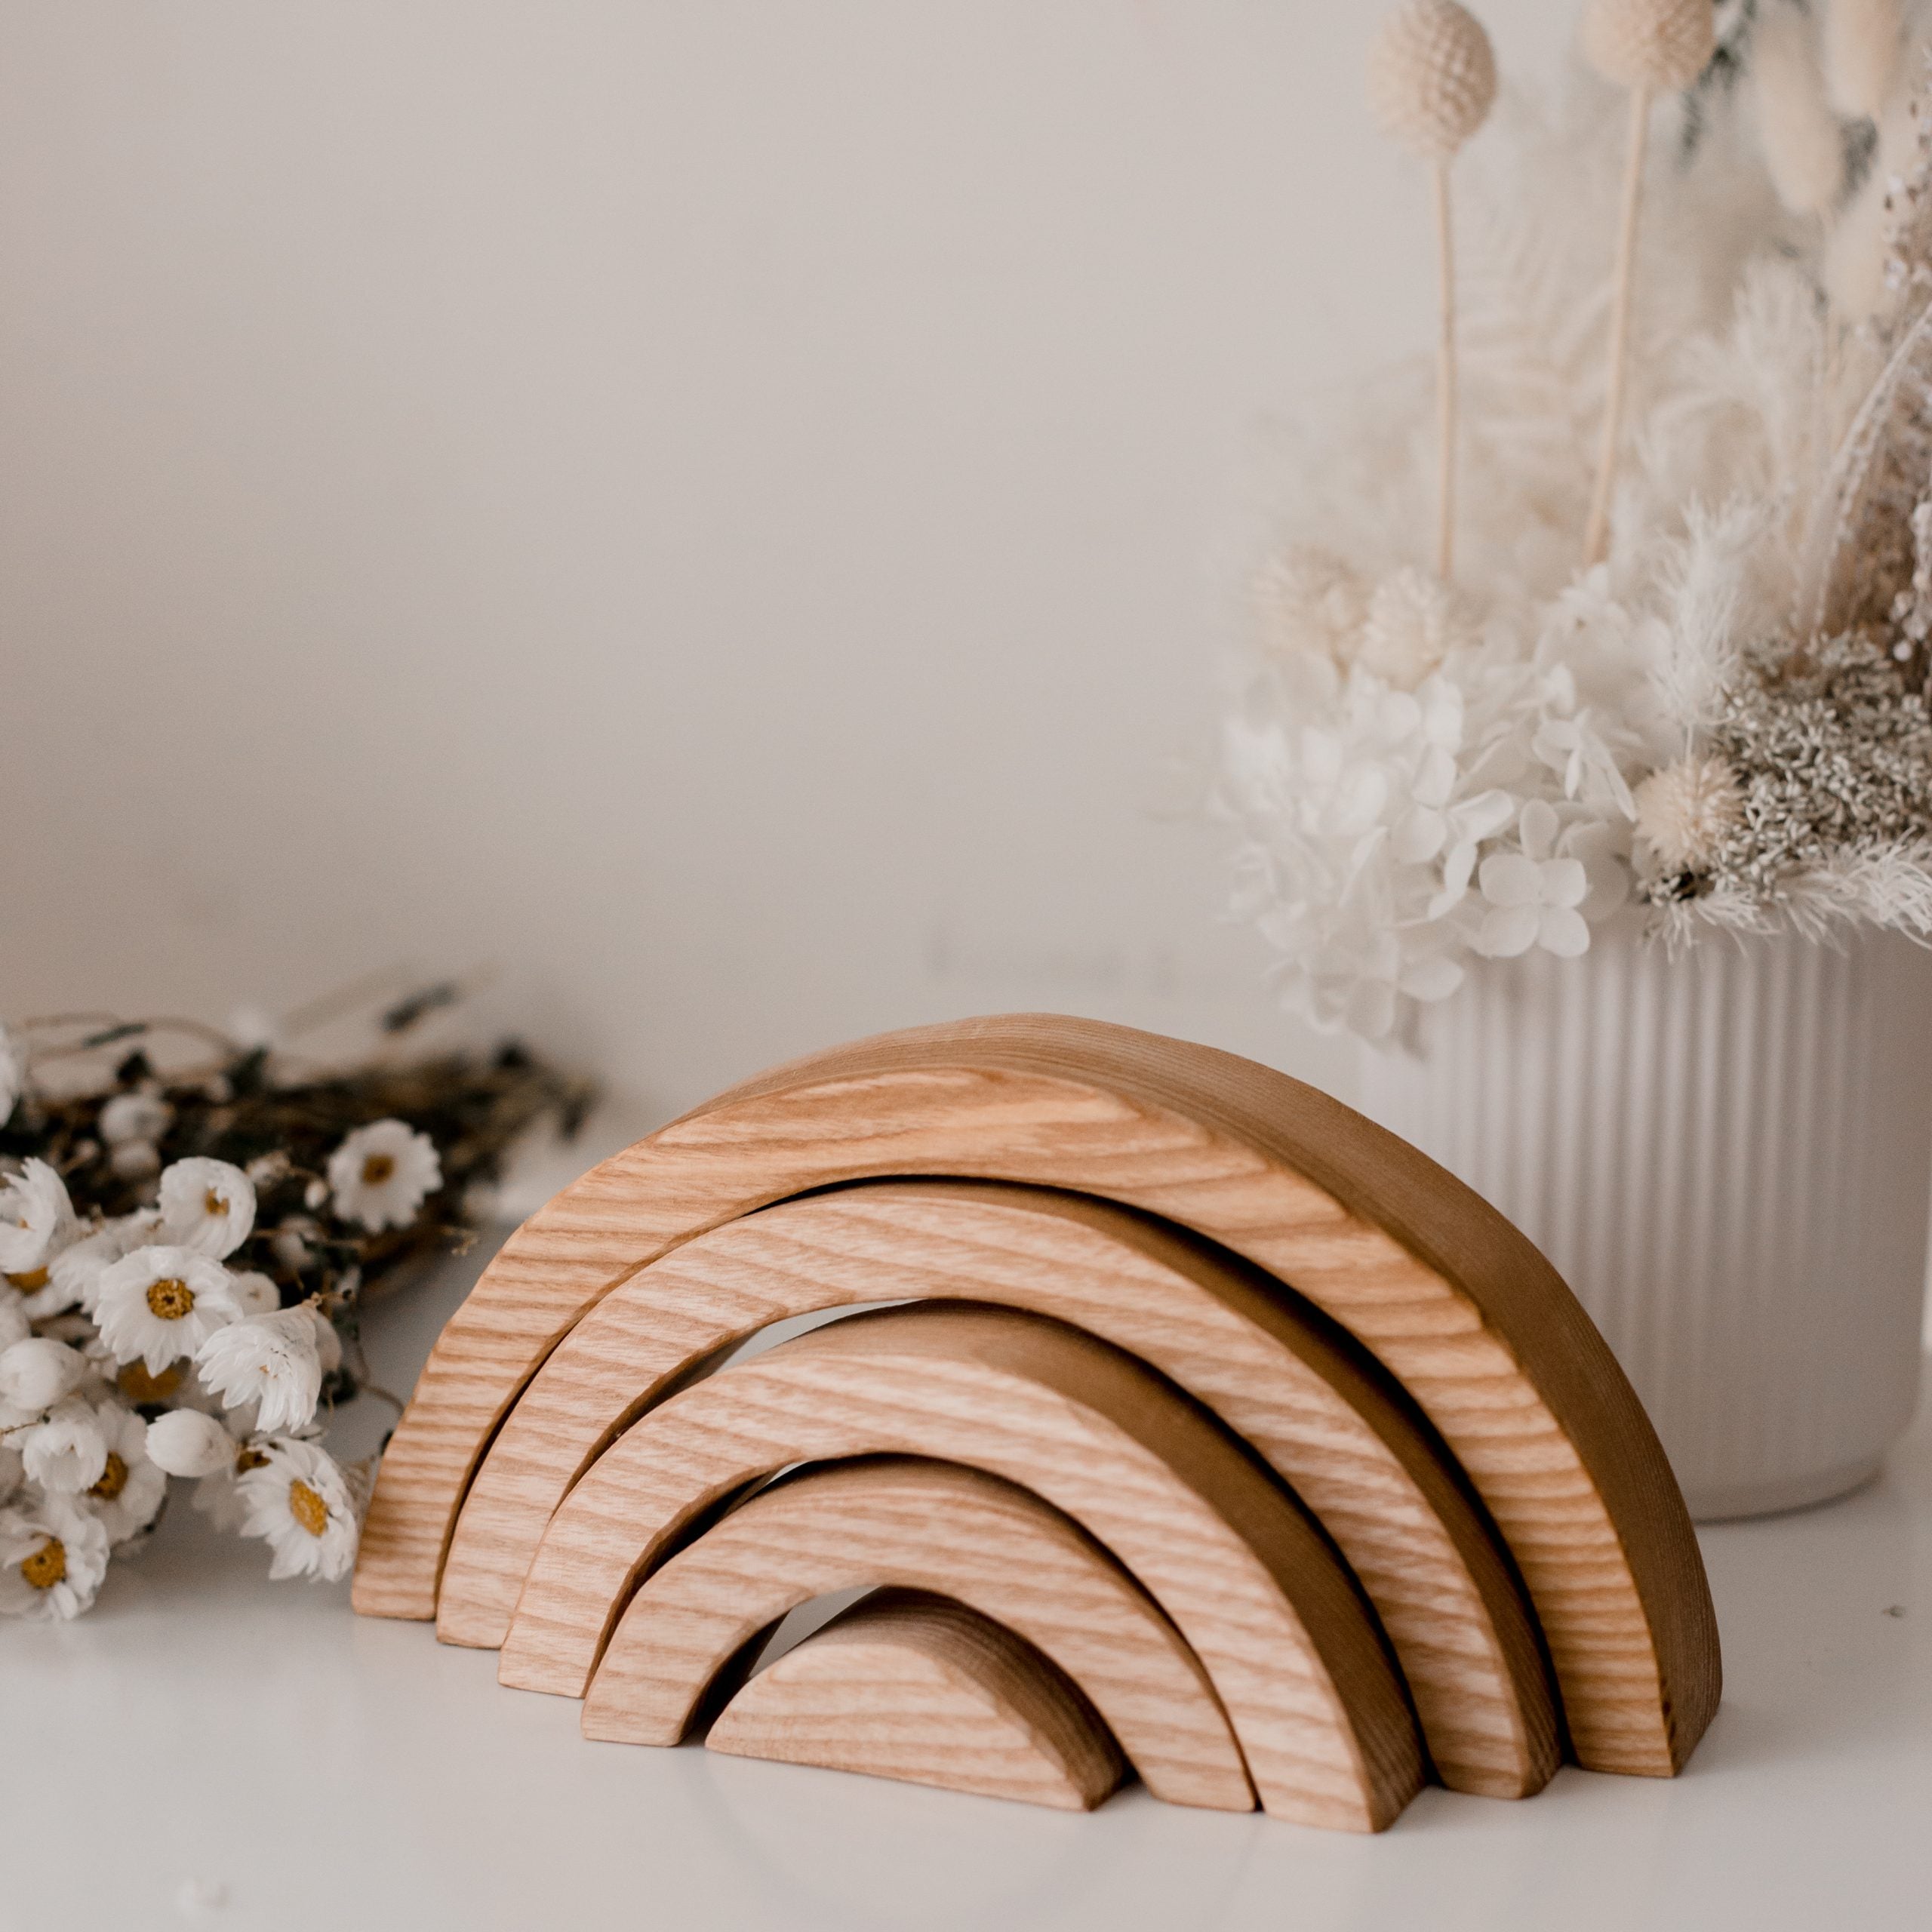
(1460, 1307)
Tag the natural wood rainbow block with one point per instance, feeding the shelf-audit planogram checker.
(1314, 1438)
(928, 1692)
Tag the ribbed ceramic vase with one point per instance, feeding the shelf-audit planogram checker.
(1728, 1156)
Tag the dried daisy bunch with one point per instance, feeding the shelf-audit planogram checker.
(183, 1259)
(1668, 655)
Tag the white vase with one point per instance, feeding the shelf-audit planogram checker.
(1728, 1156)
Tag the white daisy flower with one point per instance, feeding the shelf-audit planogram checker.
(381, 1175)
(12, 1075)
(161, 1303)
(52, 1555)
(36, 1373)
(300, 1500)
(270, 1360)
(256, 1293)
(136, 1117)
(206, 1205)
(68, 1452)
(34, 1211)
(73, 1275)
(126, 1496)
(184, 1442)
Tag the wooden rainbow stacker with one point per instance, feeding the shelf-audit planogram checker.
(1214, 1434)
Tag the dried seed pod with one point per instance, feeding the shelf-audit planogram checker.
(1432, 77)
(1686, 811)
(1658, 45)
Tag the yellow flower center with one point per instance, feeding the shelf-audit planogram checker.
(307, 1507)
(377, 1168)
(213, 1204)
(170, 1299)
(113, 1479)
(30, 1283)
(139, 1386)
(246, 1459)
(47, 1565)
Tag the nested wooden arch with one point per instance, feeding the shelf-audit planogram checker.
(1422, 1551)
(956, 1533)
(1292, 1651)
(1461, 1309)
(925, 1690)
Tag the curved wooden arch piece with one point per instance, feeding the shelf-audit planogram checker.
(1460, 1308)
(951, 1532)
(1293, 1652)
(922, 1690)
(1421, 1553)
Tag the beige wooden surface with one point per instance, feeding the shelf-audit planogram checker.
(922, 1690)
(1271, 1370)
(955, 1533)
(1469, 1318)
(1291, 1648)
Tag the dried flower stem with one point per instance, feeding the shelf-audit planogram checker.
(1596, 539)
(1445, 381)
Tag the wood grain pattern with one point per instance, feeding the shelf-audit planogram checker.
(1470, 1319)
(924, 1691)
(953, 1533)
(1421, 1551)
(1291, 1648)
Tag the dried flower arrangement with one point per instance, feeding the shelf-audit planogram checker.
(184, 1257)
(1673, 655)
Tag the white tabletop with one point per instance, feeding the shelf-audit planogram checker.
(207, 1748)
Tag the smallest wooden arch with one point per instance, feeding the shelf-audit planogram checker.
(923, 1690)
(950, 1532)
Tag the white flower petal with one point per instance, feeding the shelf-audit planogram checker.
(1419, 835)
(1563, 931)
(1563, 882)
(1508, 931)
(1539, 828)
(1484, 815)
(1508, 879)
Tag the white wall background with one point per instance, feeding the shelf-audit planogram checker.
(724, 510)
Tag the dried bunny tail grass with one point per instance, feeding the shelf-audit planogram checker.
(1804, 145)
(1864, 53)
